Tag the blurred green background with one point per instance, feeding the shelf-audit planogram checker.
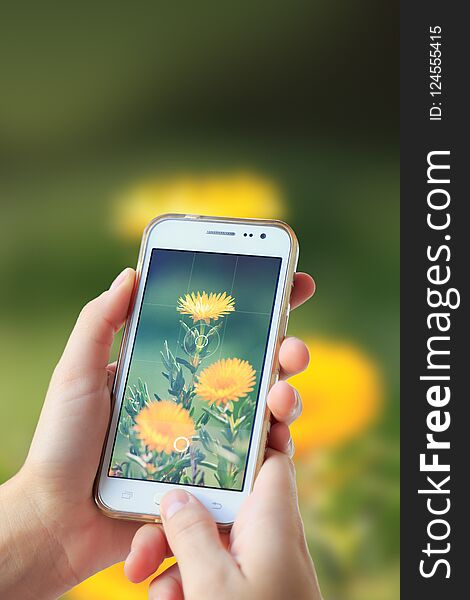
(99, 99)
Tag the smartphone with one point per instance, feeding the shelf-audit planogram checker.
(198, 356)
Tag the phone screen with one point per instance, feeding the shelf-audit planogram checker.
(192, 387)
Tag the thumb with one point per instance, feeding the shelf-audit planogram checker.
(194, 539)
(76, 410)
(268, 515)
(90, 342)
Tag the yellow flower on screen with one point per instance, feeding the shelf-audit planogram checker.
(164, 425)
(204, 307)
(226, 380)
(341, 395)
(228, 195)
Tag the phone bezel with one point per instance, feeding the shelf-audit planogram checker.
(190, 232)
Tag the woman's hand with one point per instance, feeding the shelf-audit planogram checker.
(265, 555)
(52, 534)
(57, 535)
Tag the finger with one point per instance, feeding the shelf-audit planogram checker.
(277, 473)
(148, 549)
(111, 369)
(268, 515)
(280, 439)
(293, 357)
(90, 341)
(304, 288)
(77, 402)
(284, 402)
(271, 509)
(167, 586)
(193, 537)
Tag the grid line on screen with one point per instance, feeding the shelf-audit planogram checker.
(225, 321)
(187, 291)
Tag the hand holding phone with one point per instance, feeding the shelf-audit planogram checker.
(266, 555)
(49, 514)
(199, 355)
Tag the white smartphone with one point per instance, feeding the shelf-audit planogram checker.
(197, 359)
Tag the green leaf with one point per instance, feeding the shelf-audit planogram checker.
(213, 414)
(179, 381)
(165, 469)
(214, 329)
(136, 461)
(187, 364)
(208, 465)
(185, 327)
(203, 419)
(206, 439)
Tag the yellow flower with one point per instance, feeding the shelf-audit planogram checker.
(341, 395)
(204, 307)
(226, 380)
(160, 424)
(230, 195)
(112, 584)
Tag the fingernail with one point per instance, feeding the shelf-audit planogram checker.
(120, 278)
(297, 409)
(128, 561)
(173, 502)
(290, 448)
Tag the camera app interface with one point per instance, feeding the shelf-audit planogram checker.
(192, 388)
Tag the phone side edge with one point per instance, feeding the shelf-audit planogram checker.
(281, 331)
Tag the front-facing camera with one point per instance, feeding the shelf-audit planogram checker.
(263, 236)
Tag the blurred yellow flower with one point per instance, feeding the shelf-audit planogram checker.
(204, 307)
(160, 424)
(112, 584)
(226, 380)
(231, 195)
(341, 395)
